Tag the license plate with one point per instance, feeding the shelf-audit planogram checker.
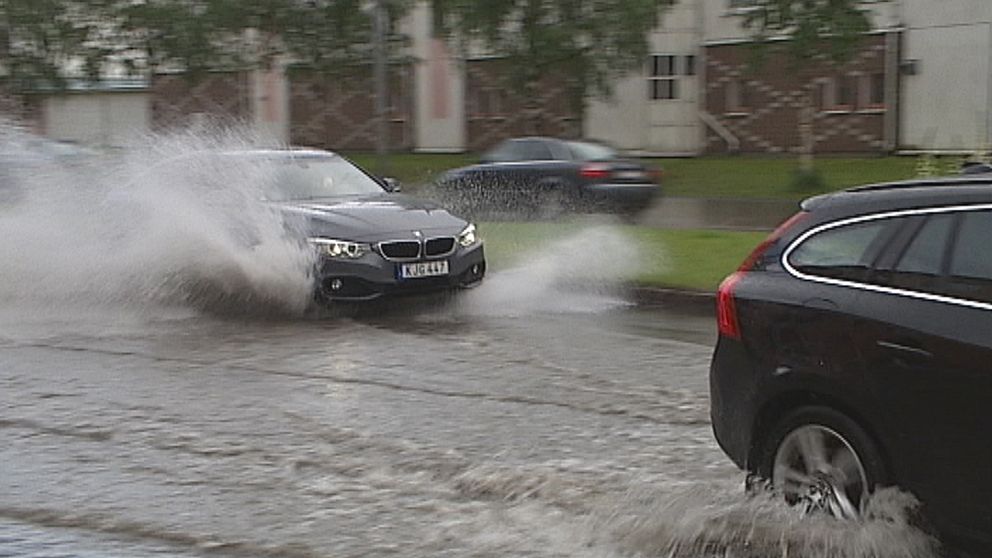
(631, 175)
(424, 269)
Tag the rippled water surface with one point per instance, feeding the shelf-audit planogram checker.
(163, 394)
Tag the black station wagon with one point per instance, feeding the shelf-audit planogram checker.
(855, 352)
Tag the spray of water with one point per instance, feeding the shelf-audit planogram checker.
(166, 222)
(582, 272)
(704, 522)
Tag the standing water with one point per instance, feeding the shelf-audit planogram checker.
(148, 409)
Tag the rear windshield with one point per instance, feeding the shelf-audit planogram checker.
(584, 151)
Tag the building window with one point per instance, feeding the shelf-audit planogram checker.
(738, 97)
(871, 91)
(689, 68)
(489, 102)
(663, 83)
(838, 94)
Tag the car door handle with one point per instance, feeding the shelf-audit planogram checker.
(916, 353)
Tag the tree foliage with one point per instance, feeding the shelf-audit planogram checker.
(585, 43)
(45, 41)
(812, 27)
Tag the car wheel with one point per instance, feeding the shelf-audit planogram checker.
(822, 460)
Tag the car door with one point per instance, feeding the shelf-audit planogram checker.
(813, 322)
(927, 357)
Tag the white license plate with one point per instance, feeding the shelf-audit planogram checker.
(424, 269)
(631, 175)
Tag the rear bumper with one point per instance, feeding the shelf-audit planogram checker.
(733, 400)
(372, 277)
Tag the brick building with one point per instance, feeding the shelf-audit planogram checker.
(921, 80)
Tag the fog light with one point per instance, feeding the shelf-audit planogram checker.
(476, 269)
(336, 285)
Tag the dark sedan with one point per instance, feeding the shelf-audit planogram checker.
(546, 176)
(854, 352)
(370, 241)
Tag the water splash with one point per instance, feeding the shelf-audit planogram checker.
(703, 522)
(166, 222)
(584, 272)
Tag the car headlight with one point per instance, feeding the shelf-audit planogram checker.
(338, 248)
(468, 236)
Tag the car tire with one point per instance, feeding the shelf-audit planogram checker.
(823, 460)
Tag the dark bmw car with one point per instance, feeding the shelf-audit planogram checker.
(370, 241)
(547, 176)
(855, 352)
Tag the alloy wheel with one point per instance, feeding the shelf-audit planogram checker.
(817, 468)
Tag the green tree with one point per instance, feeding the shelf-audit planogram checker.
(44, 41)
(815, 31)
(581, 44)
(41, 39)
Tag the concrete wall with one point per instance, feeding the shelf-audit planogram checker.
(439, 79)
(631, 120)
(947, 103)
(106, 119)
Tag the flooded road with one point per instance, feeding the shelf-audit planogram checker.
(151, 405)
(441, 432)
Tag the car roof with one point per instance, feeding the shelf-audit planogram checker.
(906, 194)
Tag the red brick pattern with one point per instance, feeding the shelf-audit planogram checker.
(776, 92)
(24, 110)
(338, 112)
(494, 111)
(179, 102)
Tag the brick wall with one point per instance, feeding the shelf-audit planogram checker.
(23, 110)
(179, 102)
(337, 112)
(494, 110)
(775, 92)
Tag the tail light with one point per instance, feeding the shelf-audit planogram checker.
(726, 308)
(595, 171)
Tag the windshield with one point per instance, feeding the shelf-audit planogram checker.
(303, 178)
(591, 151)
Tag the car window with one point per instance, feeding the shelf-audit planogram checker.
(536, 150)
(842, 253)
(921, 265)
(301, 178)
(971, 259)
(506, 152)
(584, 151)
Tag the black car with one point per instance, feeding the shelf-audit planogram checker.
(370, 240)
(546, 176)
(855, 352)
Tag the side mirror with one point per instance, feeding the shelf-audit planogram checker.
(391, 184)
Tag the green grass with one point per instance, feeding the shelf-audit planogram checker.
(761, 177)
(688, 259)
(726, 176)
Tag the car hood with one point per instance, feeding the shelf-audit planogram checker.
(373, 218)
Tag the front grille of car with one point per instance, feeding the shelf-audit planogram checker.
(440, 246)
(400, 249)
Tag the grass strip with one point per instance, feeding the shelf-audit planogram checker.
(686, 259)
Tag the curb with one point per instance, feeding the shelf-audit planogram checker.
(696, 302)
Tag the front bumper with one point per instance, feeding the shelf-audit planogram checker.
(372, 276)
